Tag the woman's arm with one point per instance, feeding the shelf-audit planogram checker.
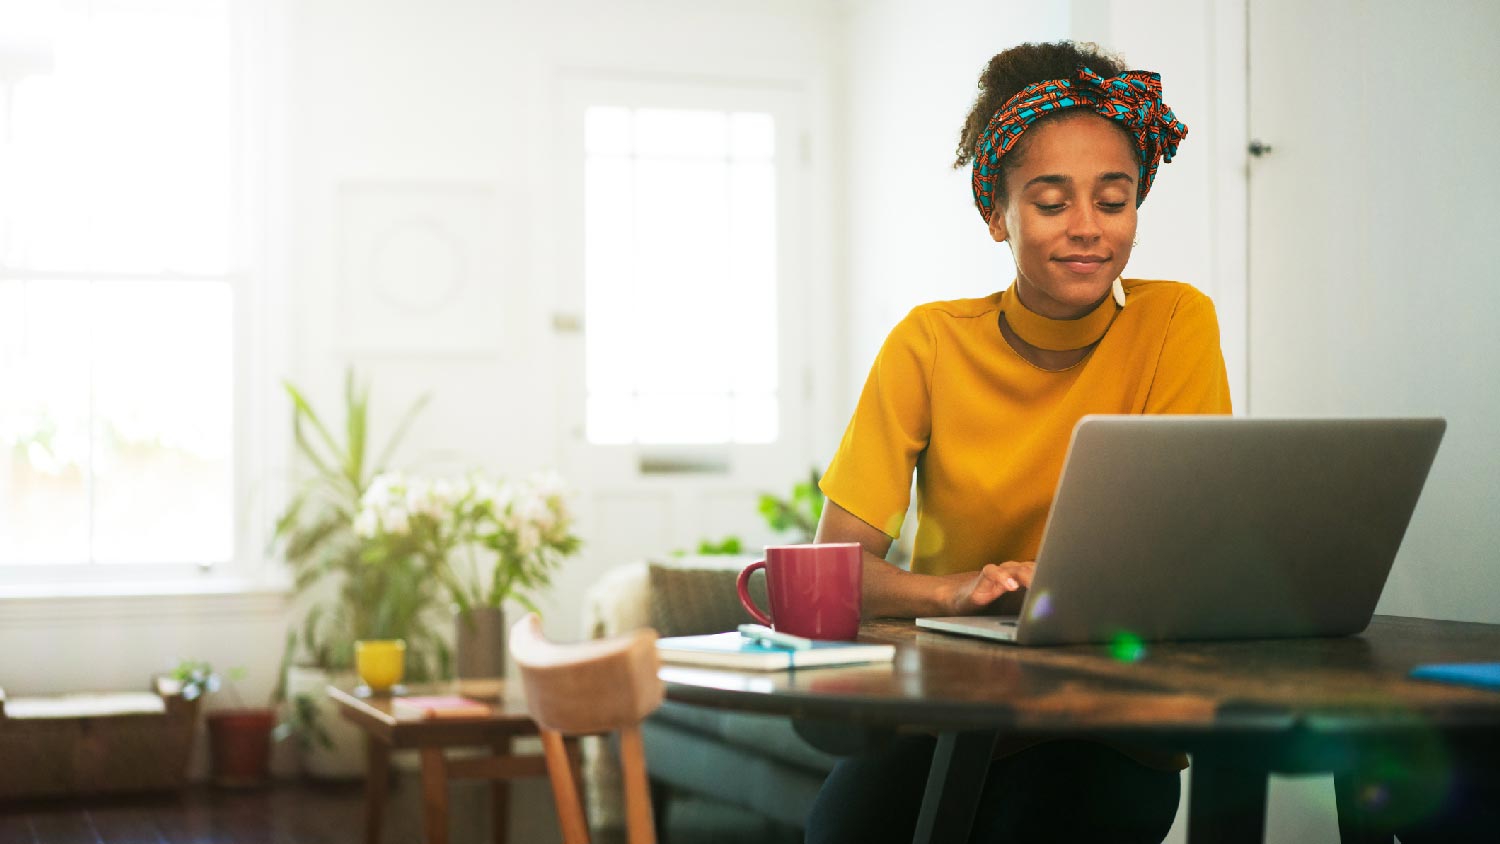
(893, 592)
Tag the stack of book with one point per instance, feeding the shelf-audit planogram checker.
(744, 653)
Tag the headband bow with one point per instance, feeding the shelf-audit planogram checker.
(1133, 98)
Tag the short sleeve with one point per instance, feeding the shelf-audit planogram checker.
(1190, 375)
(870, 475)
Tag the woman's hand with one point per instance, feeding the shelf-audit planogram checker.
(973, 591)
(890, 592)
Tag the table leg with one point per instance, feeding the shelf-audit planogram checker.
(435, 795)
(377, 784)
(1227, 805)
(959, 766)
(500, 796)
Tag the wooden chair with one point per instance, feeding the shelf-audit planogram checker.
(589, 688)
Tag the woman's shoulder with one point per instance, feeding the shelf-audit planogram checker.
(1159, 293)
(949, 311)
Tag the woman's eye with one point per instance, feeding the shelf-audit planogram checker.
(1112, 206)
(1050, 209)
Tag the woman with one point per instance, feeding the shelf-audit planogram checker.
(978, 397)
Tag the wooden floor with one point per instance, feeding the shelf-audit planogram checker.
(292, 813)
(330, 813)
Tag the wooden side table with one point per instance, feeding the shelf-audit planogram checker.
(431, 737)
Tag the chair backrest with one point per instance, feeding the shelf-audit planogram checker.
(587, 688)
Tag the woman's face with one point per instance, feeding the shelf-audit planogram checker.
(1069, 213)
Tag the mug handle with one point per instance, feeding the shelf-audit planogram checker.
(744, 587)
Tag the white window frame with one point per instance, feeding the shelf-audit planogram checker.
(769, 464)
(256, 260)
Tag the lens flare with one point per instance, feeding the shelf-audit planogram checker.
(1041, 606)
(1374, 796)
(930, 538)
(893, 524)
(1127, 647)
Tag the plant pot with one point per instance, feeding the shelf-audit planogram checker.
(239, 743)
(479, 650)
(332, 747)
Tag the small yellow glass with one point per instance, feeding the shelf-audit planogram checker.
(380, 663)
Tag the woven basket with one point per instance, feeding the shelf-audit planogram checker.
(96, 743)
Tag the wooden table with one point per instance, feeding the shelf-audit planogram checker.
(1242, 709)
(431, 737)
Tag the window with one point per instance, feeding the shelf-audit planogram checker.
(680, 283)
(120, 274)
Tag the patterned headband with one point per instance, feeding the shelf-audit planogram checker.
(1133, 98)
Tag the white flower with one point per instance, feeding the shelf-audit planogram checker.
(366, 524)
(528, 539)
(534, 511)
(549, 485)
(395, 521)
(383, 487)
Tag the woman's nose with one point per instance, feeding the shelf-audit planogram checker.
(1083, 224)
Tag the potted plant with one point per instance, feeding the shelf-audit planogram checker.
(239, 737)
(349, 586)
(488, 541)
(799, 512)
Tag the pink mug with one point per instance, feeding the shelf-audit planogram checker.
(814, 589)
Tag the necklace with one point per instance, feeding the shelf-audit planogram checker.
(1060, 335)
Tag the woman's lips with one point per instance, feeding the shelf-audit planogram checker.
(1084, 267)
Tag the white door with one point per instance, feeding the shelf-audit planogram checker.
(1373, 220)
(682, 322)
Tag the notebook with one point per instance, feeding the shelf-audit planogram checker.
(438, 706)
(1216, 527)
(733, 651)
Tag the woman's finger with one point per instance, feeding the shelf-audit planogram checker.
(1003, 576)
(1018, 572)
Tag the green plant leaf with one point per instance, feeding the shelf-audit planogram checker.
(302, 409)
(356, 420)
(401, 428)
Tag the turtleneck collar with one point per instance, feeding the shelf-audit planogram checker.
(1060, 335)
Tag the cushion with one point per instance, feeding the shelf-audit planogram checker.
(693, 595)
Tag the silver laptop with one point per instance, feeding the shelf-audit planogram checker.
(1214, 527)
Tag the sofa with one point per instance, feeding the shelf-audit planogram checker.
(715, 775)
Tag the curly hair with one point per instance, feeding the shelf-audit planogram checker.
(1010, 71)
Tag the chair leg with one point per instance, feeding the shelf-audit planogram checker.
(638, 824)
(575, 829)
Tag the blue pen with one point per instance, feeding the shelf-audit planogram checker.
(767, 636)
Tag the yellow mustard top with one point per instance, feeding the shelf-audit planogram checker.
(986, 431)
